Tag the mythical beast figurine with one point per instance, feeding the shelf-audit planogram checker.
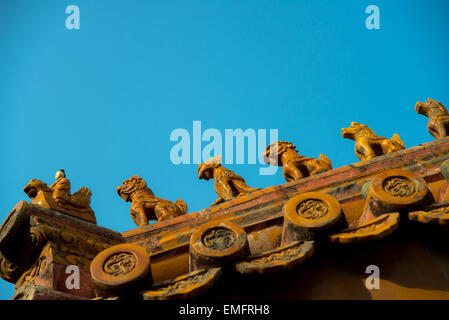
(227, 184)
(368, 145)
(145, 205)
(438, 124)
(294, 166)
(59, 198)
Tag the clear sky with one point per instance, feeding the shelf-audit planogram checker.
(102, 101)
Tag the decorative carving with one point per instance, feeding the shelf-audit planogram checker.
(391, 191)
(58, 197)
(37, 243)
(366, 229)
(37, 236)
(438, 125)
(31, 274)
(120, 263)
(375, 229)
(72, 246)
(278, 259)
(284, 255)
(185, 286)
(145, 205)
(307, 214)
(368, 145)
(399, 186)
(313, 208)
(219, 238)
(215, 243)
(89, 243)
(122, 270)
(436, 213)
(227, 184)
(294, 166)
(8, 270)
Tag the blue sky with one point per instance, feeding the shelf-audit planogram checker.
(102, 101)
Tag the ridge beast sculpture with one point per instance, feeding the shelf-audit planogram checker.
(145, 205)
(227, 184)
(58, 197)
(368, 145)
(294, 166)
(438, 125)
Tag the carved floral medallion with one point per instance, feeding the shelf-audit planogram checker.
(312, 209)
(120, 263)
(399, 186)
(219, 238)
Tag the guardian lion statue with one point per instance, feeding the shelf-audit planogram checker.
(368, 145)
(438, 124)
(294, 166)
(145, 205)
(227, 184)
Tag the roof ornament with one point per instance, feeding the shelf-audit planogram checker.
(58, 197)
(227, 184)
(368, 145)
(145, 205)
(294, 166)
(438, 124)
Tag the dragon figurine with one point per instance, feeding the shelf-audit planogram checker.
(227, 184)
